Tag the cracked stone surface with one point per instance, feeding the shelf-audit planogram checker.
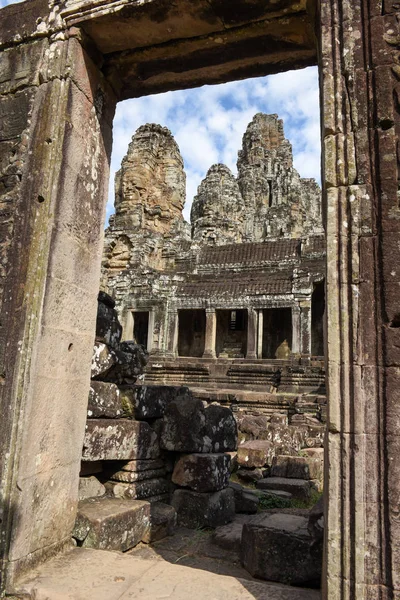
(85, 574)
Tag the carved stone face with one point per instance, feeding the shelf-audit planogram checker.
(151, 182)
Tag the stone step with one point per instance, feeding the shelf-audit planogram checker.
(298, 467)
(279, 548)
(197, 509)
(299, 488)
(120, 524)
(111, 523)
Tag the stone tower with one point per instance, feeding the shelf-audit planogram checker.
(150, 190)
(218, 210)
(279, 203)
(150, 186)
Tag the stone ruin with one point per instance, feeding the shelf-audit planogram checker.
(233, 304)
(64, 66)
(155, 457)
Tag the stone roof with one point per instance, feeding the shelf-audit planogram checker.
(274, 251)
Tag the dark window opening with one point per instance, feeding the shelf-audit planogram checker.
(191, 332)
(141, 327)
(277, 333)
(231, 338)
(317, 319)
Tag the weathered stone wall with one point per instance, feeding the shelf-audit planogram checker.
(358, 45)
(55, 142)
(359, 71)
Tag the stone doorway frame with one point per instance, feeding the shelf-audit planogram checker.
(59, 89)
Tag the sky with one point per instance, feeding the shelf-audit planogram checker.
(208, 123)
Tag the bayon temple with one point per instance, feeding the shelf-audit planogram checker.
(203, 410)
(240, 289)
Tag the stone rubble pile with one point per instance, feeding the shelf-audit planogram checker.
(278, 546)
(283, 458)
(201, 437)
(146, 447)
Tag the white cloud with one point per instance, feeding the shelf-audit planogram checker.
(208, 123)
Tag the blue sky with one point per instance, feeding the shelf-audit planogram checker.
(208, 122)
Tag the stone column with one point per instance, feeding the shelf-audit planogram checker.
(305, 327)
(260, 333)
(150, 333)
(251, 333)
(55, 146)
(296, 336)
(128, 323)
(210, 334)
(360, 84)
(172, 333)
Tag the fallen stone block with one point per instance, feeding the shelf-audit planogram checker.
(252, 475)
(276, 494)
(103, 359)
(122, 439)
(190, 427)
(297, 467)
(184, 425)
(105, 402)
(138, 490)
(142, 465)
(197, 509)
(221, 428)
(132, 476)
(313, 453)
(108, 327)
(278, 549)
(202, 472)
(111, 523)
(163, 521)
(256, 453)
(229, 536)
(246, 501)
(150, 401)
(90, 487)
(254, 425)
(299, 488)
(130, 360)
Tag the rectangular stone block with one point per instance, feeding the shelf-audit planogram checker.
(297, 467)
(105, 402)
(142, 465)
(299, 488)
(162, 522)
(202, 472)
(189, 427)
(150, 401)
(257, 453)
(117, 439)
(279, 549)
(195, 509)
(140, 489)
(111, 523)
(131, 477)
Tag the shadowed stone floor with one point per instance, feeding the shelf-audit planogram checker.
(186, 566)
